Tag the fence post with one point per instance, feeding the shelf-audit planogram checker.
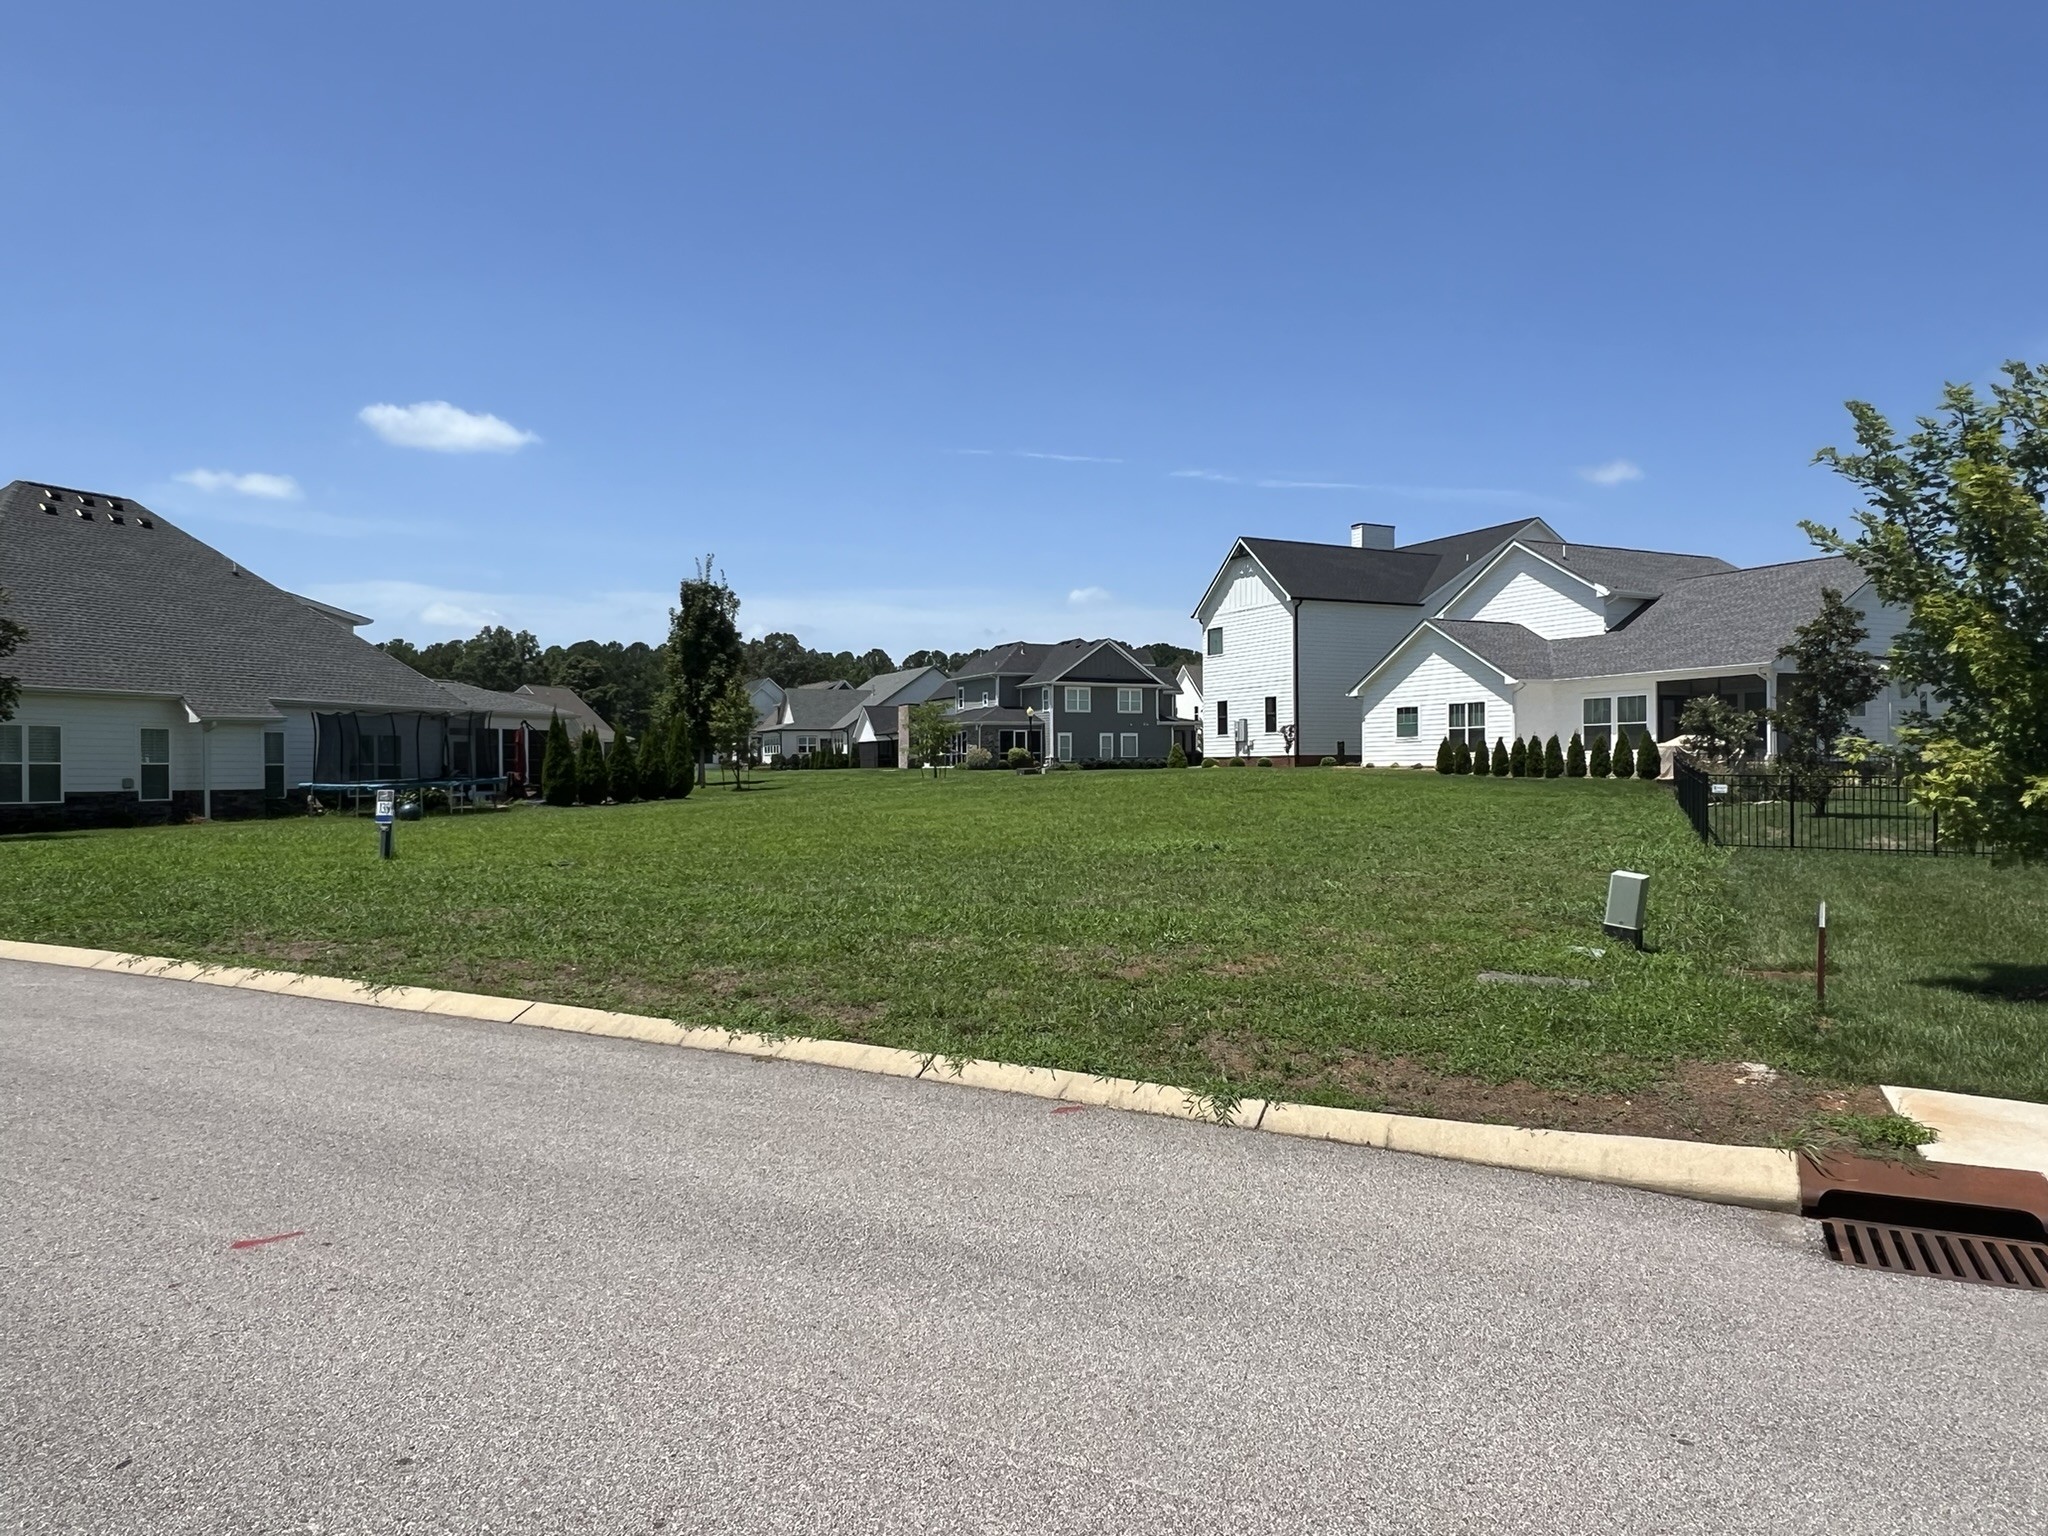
(1934, 846)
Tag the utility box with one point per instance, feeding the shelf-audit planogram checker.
(1628, 899)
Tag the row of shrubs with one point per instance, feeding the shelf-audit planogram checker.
(584, 773)
(978, 757)
(1539, 759)
(822, 757)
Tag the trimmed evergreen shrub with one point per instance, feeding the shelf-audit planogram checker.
(624, 768)
(592, 782)
(1535, 756)
(1328, 762)
(1553, 759)
(1518, 760)
(1649, 761)
(1575, 758)
(1175, 757)
(1446, 757)
(976, 757)
(1461, 757)
(558, 766)
(1624, 758)
(1265, 762)
(1237, 762)
(1018, 757)
(1598, 763)
(651, 755)
(1502, 766)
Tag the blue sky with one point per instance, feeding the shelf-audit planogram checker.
(941, 324)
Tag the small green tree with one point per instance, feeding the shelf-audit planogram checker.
(11, 635)
(1624, 757)
(1553, 759)
(558, 766)
(1599, 760)
(1833, 678)
(1175, 757)
(704, 653)
(592, 782)
(1446, 757)
(1649, 761)
(1955, 532)
(1461, 756)
(624, 769)
(931, 732)
(1518, 759)
(1719, 731)
(1575, 758)
(1535, 756)
(732, 730)
(1502, 767)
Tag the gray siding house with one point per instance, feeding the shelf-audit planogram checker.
(1090, 700)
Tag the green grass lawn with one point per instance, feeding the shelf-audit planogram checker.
(1312, 934)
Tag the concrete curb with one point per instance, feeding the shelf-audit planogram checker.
(1762, 1177)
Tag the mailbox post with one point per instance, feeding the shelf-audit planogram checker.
(387, 812)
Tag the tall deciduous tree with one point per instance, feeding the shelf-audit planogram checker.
(704, 653)
(1954, 531)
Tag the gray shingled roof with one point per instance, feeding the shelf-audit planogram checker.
(1017, 658)
(575, 712)
(1343, 573)
(822, 709)
(1633, 572)
(140, 606)
(1739, 618)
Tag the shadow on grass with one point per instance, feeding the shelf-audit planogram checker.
(2000, 981)
(54, 837)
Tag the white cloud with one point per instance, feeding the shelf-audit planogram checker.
(1089, 597)
(1202, 474)
(1613, 472)
(1063, 458)
(269, 487)
(1313, 485)
(443, 428)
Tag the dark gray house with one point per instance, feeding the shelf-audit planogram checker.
(1089, 700)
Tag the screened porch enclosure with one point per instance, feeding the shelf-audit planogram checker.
(361, 750)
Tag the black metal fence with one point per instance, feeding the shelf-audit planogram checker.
(1849, 809)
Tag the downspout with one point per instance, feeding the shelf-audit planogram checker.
(1299, 744)
(206, 768)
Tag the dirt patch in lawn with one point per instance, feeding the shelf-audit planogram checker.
(1721, 1101)
(1718, 1101)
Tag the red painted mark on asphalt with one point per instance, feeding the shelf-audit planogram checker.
(1069, 1109)
(257, 1242)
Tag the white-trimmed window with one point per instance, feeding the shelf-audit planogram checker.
(1216, 642)
(1130, 744)
(1632, 715)
(1045, 697)
(1105, 746)
(1130, 701)
(1596, 719)
(1272, 714)
(1407, 720)
(1468, 723)
(155, 763)
(806, 745)
(1065, 742)
(273, 765)
(1223, 717)
(31, 764)
(1078, 700)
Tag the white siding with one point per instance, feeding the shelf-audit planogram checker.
(1558, 708)
(102, 742)
(1431, 676)
(1257, 660)
(1524, 589)
(1340, 643)
(298, 747)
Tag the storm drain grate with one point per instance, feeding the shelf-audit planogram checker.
(2018, 1264)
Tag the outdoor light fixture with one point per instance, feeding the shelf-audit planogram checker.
(1628, 896)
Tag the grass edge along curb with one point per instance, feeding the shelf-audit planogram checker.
(1762, 1177)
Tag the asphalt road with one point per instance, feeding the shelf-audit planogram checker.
(550, 1283)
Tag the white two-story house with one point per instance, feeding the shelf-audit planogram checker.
(1289, 627)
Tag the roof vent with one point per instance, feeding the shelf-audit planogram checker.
(87, 516)
(117, 505)
(115, 517)
(85, 501)
(54, 494)
(49, 509)
(145, 522)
